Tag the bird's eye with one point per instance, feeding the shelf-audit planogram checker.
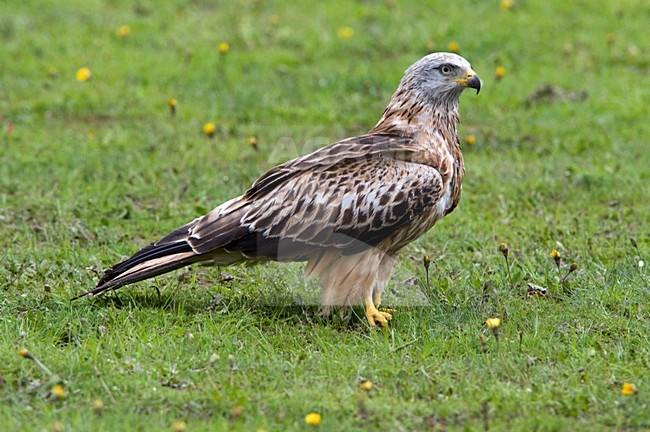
(445, 69)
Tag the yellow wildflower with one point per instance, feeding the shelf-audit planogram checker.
(58, 391)
(503, 248)
(471, 139)
(313, 419)
(24, 353)
(224, 47)
(252, 141)
(123, 30)
(98, 405)
(365, 385)
(345, 32)
(209, 129)
(83, 74)
(453, 46)
(629, 389)
(500, 72)
(556, 257)
(172, 106)
(507, 4)
(179, 426)
(493, 323)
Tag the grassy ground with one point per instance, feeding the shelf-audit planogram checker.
(90, 171)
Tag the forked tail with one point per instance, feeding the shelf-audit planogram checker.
(150, 261)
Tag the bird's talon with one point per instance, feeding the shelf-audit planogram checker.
(377, 317)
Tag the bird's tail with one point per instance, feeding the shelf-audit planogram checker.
(149, 261)
(169, 253)
(203, 239)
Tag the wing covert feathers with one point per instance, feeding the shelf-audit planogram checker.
(350, 196)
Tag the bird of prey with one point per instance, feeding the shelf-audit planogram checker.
(346, 209)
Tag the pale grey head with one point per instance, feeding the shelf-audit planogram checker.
(440, 77)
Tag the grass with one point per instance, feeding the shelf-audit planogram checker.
(90, 171)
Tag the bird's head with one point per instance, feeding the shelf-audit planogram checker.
(440, 77)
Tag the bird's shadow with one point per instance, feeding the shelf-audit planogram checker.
(264, 309)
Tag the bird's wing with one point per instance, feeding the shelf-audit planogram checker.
(350, 196)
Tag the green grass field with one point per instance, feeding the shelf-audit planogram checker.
(91, 171)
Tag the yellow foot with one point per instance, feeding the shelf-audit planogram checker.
(377, 317)
(376, 299)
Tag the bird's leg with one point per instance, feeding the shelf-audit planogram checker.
(374, 315)
(376, 298)
(385, 270)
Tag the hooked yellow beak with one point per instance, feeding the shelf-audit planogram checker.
(471, 81)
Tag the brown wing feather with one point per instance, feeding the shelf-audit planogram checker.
(361, 147)
(350, 205)
(350, 195)
(281, 199)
